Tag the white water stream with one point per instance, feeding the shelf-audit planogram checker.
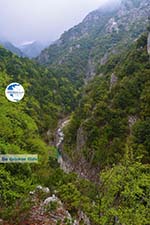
(59, 141)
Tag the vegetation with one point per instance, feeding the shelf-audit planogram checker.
(114, 120)
(109, 129)
(93, 41)
(115, 116)
(24, 125)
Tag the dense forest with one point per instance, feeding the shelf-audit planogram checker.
(24, 125)
(107, 140)
(114, 115)
(110, 131)
(114, 110)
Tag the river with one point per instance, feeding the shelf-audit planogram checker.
(65, 166)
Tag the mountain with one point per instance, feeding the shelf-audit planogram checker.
(32, 49)
(104, 31)
(9, 46)
(86, 113)
(27, 127)
(107, 139)
(113, 113)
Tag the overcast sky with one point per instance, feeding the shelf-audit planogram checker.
(43, 20)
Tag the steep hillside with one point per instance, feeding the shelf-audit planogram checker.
(112, 118)
(9, 46)
(31, 50)
(19, 135)
(23, 129)
(58, 95)
(106, 143)
(84, 47)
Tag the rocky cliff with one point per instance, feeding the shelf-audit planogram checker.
(104, 31)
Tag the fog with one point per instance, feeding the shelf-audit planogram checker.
(42, 20)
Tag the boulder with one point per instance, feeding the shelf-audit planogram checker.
(53, 198)
(46, 190)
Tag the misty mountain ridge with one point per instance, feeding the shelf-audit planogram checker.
(92, 140)
(11, 47)
(109, 29)
(29, 49)
(32, 49)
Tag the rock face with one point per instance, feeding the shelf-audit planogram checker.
(97, 36)
(41, 215)
(63, 160)
(90, 69)
(65, 164)
(50, 199)
(51, 211)
(81, 138)
(113, 80)
(131, 121)
(148, 44)
(81, 167)
(104, 59)
(112, 26)
(83, 217)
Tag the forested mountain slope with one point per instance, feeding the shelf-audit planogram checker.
(84, 47)
(106, 143)
(9, 46)
(31, 50)
(113, 118)
(53, 92)
(24, 126)
(109, 134)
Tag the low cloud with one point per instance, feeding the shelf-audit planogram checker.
(43, 20)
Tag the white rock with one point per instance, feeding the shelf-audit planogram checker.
(148, 44)
(61, 138)
(61, 134)
(53, 198)
(46, 190)
(39, 187)
(58, 144)
(69, 216)
(75, 222)
(31, 192)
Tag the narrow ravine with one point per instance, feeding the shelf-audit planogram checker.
(39, 213)
(82, 170)
(65, 166)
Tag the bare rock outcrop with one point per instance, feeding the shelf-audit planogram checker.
(81, 138)
(113, 80)
(148, 44)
